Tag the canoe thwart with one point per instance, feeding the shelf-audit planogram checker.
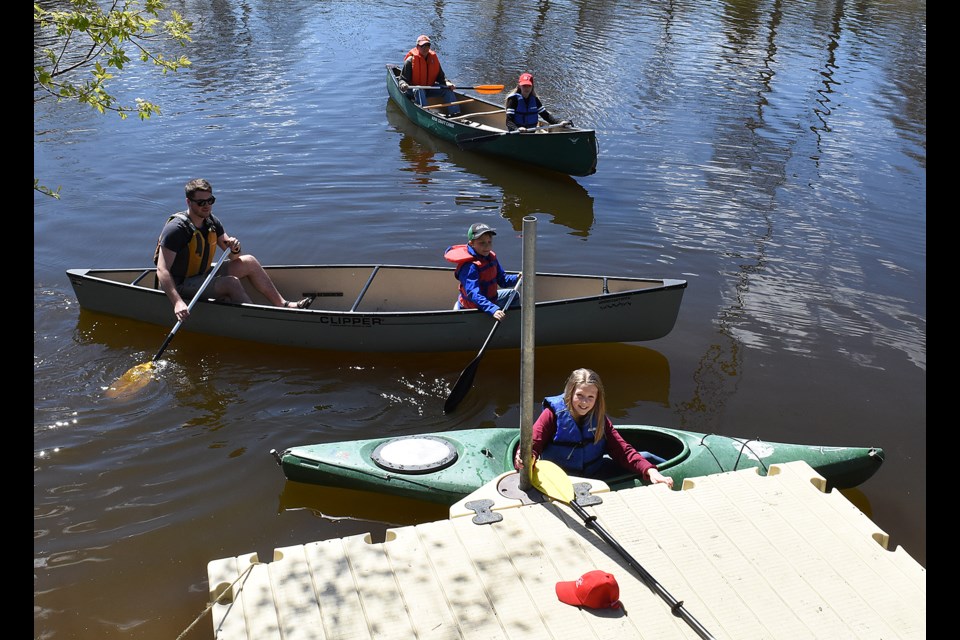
(447, 104)
(481, 113)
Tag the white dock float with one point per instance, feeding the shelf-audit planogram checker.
(749, 556)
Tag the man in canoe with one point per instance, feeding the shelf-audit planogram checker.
(575, 433)
(524, 108)
(479, 273)
(187, 243)
(421, 67)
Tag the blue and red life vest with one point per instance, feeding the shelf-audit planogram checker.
(461, 255)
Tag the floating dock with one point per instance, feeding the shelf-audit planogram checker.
(749, 556)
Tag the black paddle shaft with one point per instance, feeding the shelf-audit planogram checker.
(676, 606)
(465, 381)
(467, 142)
(196, 297)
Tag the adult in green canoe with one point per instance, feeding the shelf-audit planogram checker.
(421, 67)
(574, 432)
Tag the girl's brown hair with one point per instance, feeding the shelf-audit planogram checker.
(516, 90)
(586, 376)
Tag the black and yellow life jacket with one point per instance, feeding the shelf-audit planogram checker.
(200, 248)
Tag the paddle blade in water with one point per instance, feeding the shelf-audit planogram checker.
(132, 381)
(462, 386)
(551, 481)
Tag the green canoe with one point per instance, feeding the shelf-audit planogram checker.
(481, 126)
(445, 467)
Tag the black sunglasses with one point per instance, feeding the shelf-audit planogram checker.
(425, 44)
(203, 203)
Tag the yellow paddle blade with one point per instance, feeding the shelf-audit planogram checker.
(551, 481)
(488, 88)
(132, 381)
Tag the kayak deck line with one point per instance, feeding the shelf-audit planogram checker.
(757, 449)
(750, 555)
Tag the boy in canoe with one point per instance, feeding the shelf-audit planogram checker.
(480, 274)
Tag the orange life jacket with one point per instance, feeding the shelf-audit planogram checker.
(423, 72)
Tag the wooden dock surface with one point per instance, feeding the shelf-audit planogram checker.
(765, 557)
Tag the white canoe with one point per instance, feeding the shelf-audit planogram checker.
(393, 308)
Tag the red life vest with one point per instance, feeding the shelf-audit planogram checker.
(423, 72)
(486, 267)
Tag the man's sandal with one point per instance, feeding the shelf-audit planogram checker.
(303, 304)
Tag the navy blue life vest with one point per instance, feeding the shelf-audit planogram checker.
(527, 113)
(573, 447)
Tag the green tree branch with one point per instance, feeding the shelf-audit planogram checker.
(89, 36)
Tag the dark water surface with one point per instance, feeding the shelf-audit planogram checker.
(771, 153)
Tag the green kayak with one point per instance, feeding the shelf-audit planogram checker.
(445, 467)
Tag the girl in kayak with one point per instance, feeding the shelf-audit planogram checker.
(575, 433)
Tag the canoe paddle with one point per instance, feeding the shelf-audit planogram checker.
(479, 88)
(465, 381)
(136, 377)
(466, 142)
(552, 481)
